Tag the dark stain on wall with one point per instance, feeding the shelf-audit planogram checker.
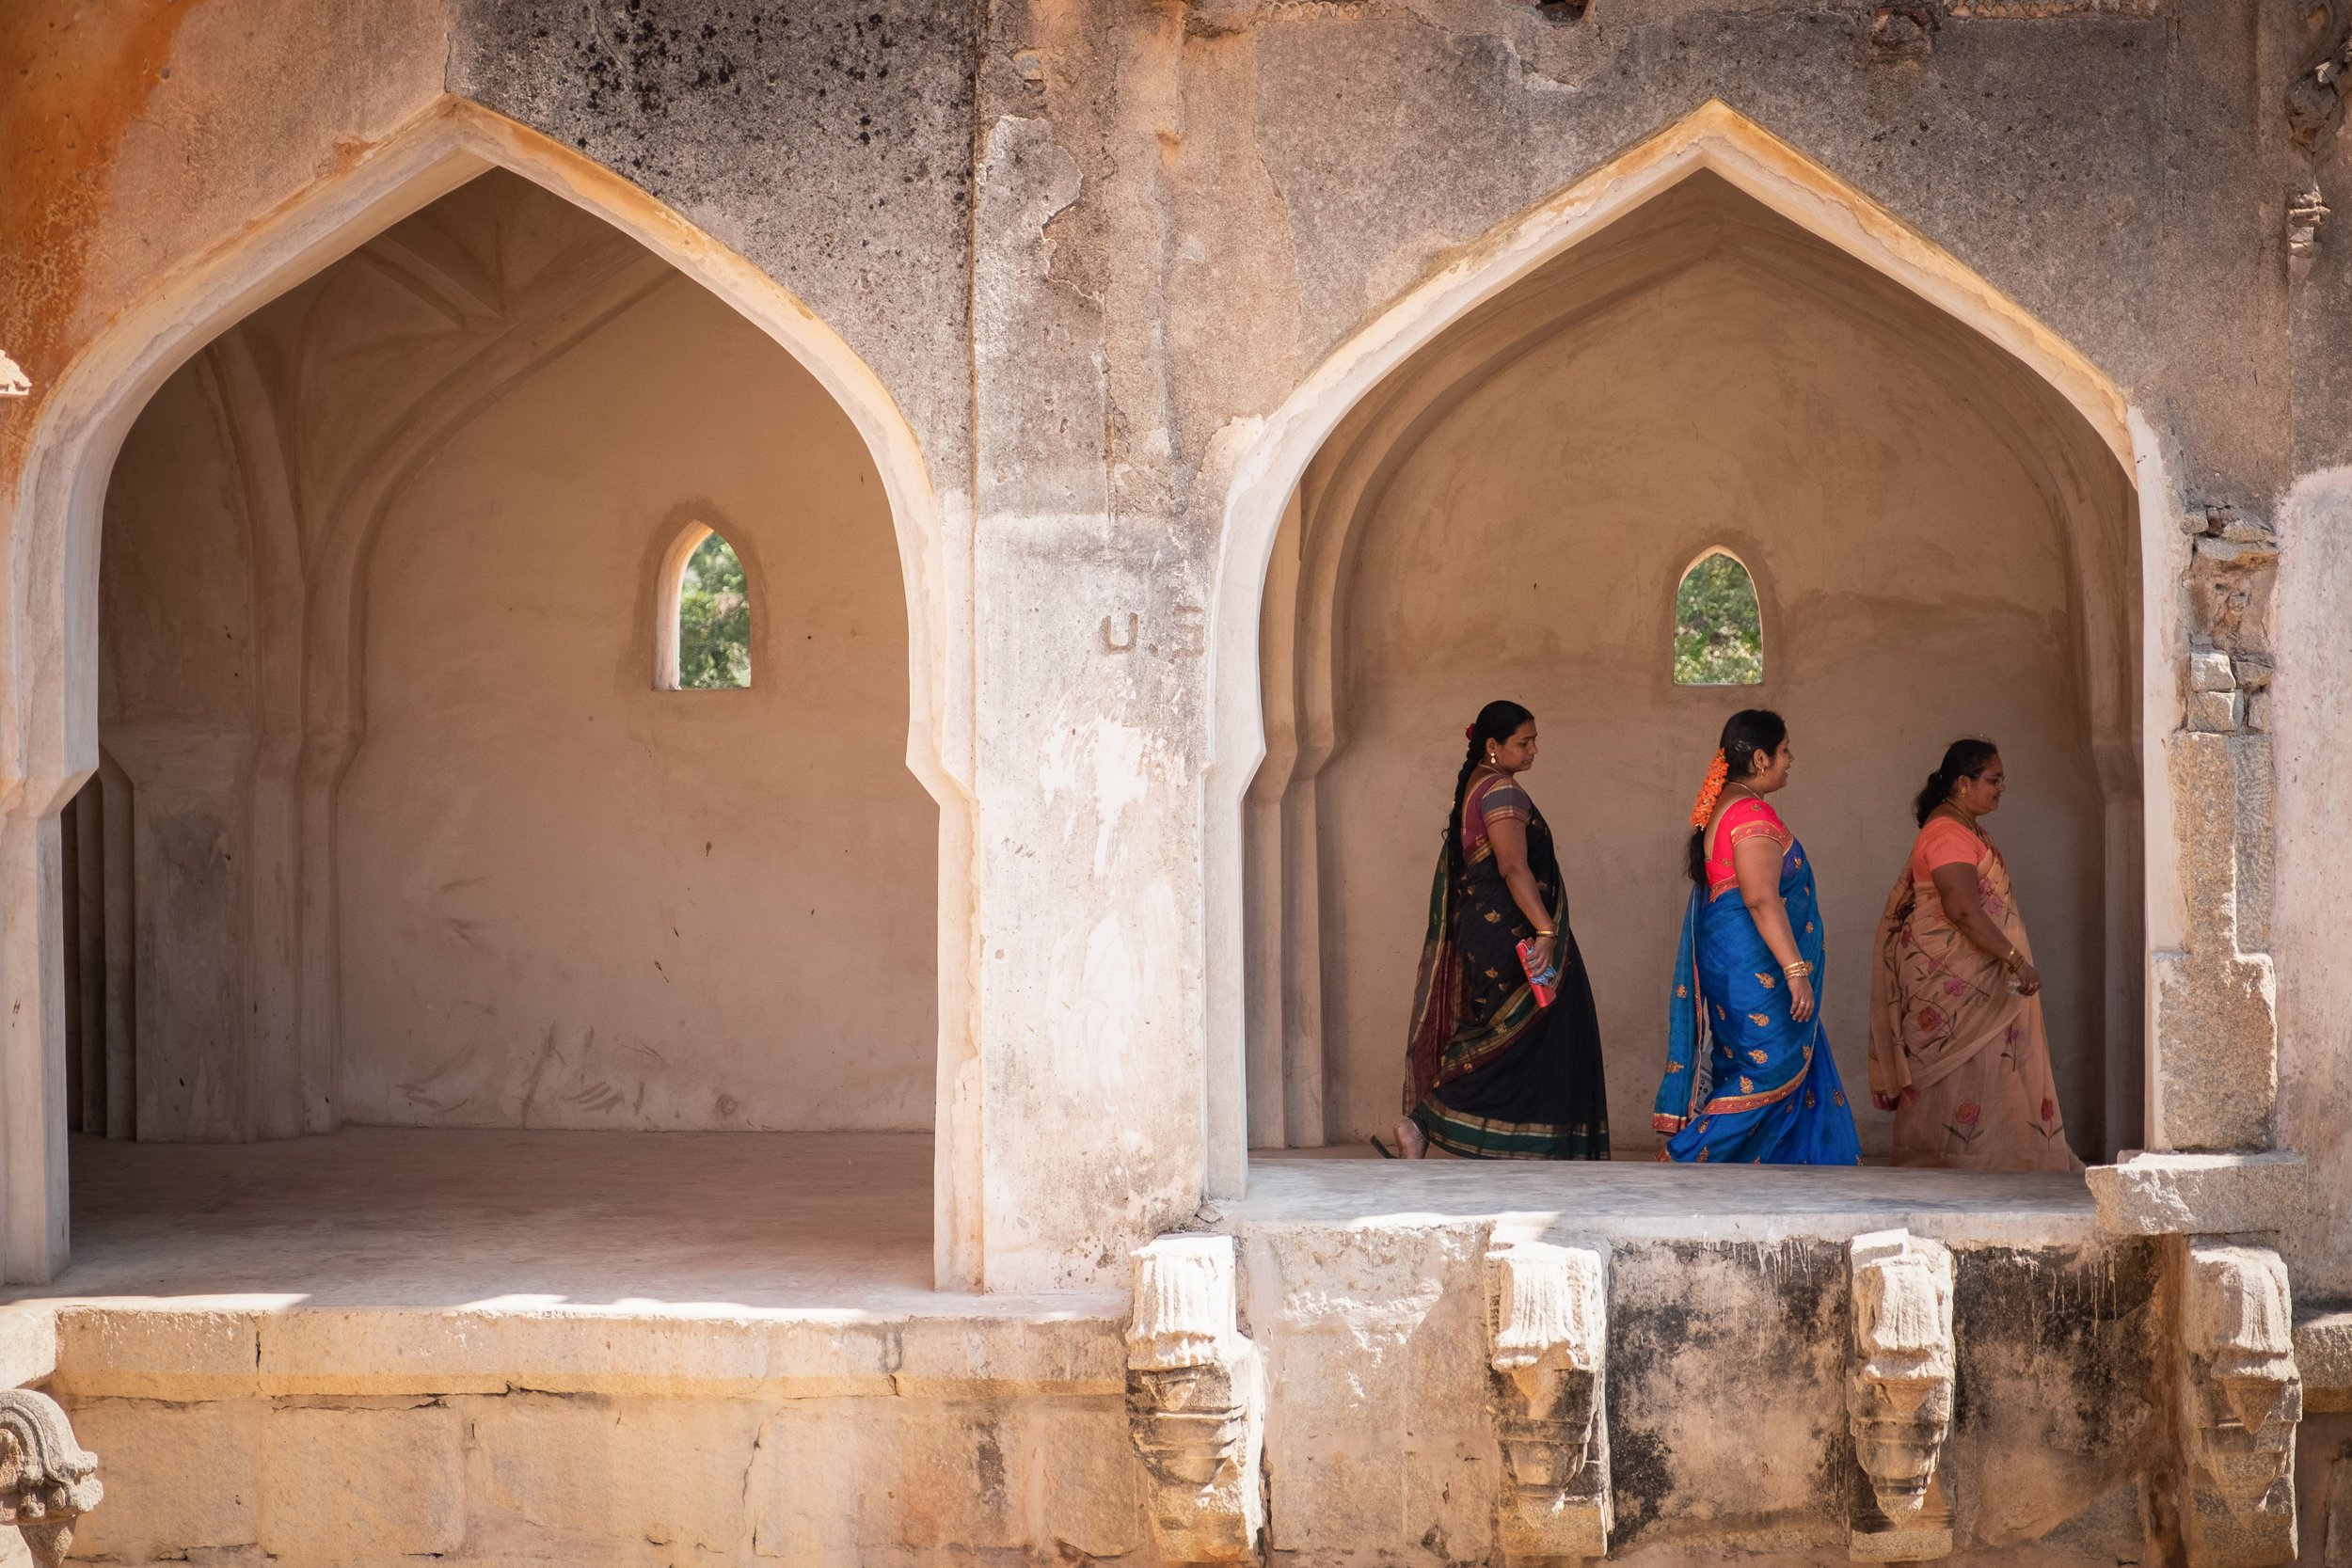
(1712, 1346)
(1724, 1343)
(830, 144)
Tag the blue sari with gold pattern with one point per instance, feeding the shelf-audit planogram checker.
(1745, 1081)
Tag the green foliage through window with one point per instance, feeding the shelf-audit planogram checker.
(1718, 632)
(714, 618)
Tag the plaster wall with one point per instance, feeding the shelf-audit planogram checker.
(559, 897)
(569, 899)
(1916, 585)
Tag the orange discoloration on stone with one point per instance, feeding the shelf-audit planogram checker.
(73, 78)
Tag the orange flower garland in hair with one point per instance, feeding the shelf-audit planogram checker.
(1717, 771)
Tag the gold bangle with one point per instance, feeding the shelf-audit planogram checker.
(1547, 933)
(1797, 971)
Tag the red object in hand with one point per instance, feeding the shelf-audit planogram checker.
(1545, 982)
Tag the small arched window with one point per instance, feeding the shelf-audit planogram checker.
(703, 640)
(1719, 631)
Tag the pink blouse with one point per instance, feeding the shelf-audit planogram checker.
(1741, 821)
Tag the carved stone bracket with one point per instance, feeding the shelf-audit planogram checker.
(2305, 212)
(2241, 1397)
(1898, 1397)
(47, 1479)
(1196, 1405)
(1547, 1312)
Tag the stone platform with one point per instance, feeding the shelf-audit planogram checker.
(618, 1347)
(380, 1261)
(398, 1258)
(489, 1347)
(1642, 1200)
(650, 1222)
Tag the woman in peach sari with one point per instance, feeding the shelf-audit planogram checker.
(1957, 1047)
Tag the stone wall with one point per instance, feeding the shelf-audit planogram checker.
(1731, 1413)
(237, 1438)
(1074, 254)
(319, 1436)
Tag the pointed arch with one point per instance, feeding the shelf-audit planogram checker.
(1269, 458)
(51, 741)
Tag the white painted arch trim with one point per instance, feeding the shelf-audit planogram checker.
(55, 524)
(1274, 453)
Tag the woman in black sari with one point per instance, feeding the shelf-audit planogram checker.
(1491, 1072)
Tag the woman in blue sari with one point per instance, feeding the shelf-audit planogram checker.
(1749, 1076)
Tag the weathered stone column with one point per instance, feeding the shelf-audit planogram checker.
(1196, 1401)
(2240, 1396)
(2213, 989)
(47, 1479)
(1548, 1307)
(33, 1197)
(1089, 625)
(1898, 1397)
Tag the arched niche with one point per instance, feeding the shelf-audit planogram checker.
(188, 329)
(1466, 502)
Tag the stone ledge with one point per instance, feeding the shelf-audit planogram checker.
(1640, 1201)
(2199, 1194)
(228, 1351)
(2322, 1353)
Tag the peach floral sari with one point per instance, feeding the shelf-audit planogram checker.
(1960, 1058)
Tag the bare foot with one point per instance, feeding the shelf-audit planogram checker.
(1409, 1141)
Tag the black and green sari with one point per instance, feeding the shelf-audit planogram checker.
(1488, 1073)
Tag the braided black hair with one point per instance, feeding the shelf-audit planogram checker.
(1497, 721)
